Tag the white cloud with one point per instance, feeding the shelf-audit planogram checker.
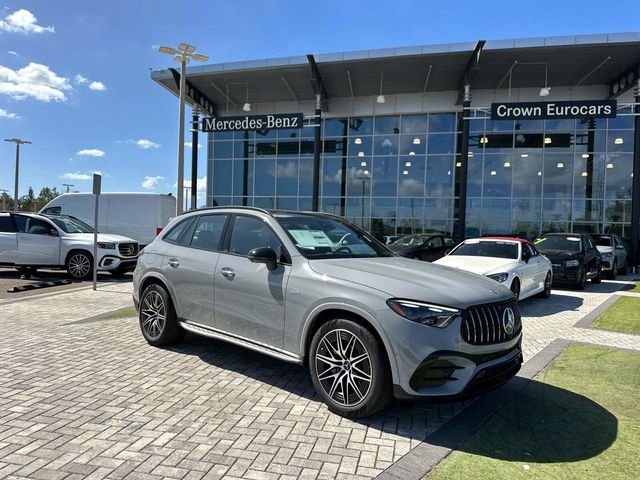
(35, 80)
(23, 21)
(151, 183)
(5, 114)
(97, 86)
(11, 52)
(190, 145)
(76, 176)
(81, 79)
(91, 152)
(144, 144)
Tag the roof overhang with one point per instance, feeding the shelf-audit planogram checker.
(570, 61)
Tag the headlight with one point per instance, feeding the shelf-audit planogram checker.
(424, 313)
(107, 245)
(499, 277)
(571, 263)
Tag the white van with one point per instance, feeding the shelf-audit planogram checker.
(140, 216)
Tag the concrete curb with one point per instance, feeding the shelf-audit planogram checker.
(589, 318)
(424, 457)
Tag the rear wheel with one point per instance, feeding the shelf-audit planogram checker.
(349, 370)
(515, 288)
(158, 320)
(624, 270)
(546, 293)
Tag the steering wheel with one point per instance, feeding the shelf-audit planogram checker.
(343, 249)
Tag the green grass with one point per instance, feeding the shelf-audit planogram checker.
(579, 419)
(622, 316)
(635, 289)
(126, 313)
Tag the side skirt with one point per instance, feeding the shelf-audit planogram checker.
(241, 341)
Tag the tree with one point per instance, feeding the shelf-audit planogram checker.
(27, 203)
(45, 196)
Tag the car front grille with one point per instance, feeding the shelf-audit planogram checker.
(128, 249)
(488, 324)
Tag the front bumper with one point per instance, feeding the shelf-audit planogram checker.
(566, 275)
(113, 262)
(438, 363)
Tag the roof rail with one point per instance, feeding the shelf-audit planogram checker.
(241, 207)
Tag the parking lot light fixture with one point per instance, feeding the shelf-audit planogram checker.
(183, 54)
(18, 142)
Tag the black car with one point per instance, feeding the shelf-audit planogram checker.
(574, 258)
(423, 246)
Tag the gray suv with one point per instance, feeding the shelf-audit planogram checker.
(313, 289)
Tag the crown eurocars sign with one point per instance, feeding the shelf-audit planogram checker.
(252, 122)
(554, 110)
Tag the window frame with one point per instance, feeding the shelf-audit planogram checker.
(12, 223)
(44, 220)
(188, 221)
(225, 226)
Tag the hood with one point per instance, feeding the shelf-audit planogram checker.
(479, 265)
(400, 249)
(102, 237)
(404, 278)
(558, 256)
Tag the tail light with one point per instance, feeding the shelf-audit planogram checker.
(158, 230)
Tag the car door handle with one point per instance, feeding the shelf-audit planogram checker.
(173, 262)
(227, 272)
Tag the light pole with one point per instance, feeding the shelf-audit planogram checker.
(186, 197)
(18, 142)
(183, 54)
(68, 185)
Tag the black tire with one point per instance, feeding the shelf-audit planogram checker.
(546, 293)
(515, 288)
(340, 371)
(79, 264)
(582, 281)
(624, 270)
(157, 317)
(611, 274)
(598, 277)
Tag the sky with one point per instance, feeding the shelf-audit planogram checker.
(75, 75)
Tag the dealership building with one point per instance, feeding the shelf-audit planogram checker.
(516, 136)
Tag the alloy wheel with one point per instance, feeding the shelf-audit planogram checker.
(343, 367)
(153, 314)
(547, 283)
(79, 265)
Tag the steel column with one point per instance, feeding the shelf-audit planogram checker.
(464, 167)
(316, 155)
(635, 203)
(194, 158)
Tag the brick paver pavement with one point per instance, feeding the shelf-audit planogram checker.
(84, 397)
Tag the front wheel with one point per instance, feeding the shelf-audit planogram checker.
(582, 281)
(349, 370)
(515, 288)
(598, 277)
(158, 320)
(79, 265)
(546, 293)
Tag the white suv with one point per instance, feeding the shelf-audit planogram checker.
(29, 239)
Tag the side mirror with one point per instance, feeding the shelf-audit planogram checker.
(53, 232)
(264, 255)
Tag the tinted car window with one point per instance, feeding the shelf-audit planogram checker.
(176, 232)
(52, 211)
(208, 232)
(249, 233)
(602, 240)
(558, 242)
(477, 248)
(435, 242)
(6, 224)
(448, 241)
(31, 225)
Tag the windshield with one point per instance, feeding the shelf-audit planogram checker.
(322, 238)
(602, 240)
(558, 242)
(71, 225)
(412, 240)
(484, 248)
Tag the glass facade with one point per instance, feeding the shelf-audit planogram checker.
(397, 174)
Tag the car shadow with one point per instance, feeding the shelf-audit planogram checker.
(542, 424)
(542, 307)
(43, 275)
